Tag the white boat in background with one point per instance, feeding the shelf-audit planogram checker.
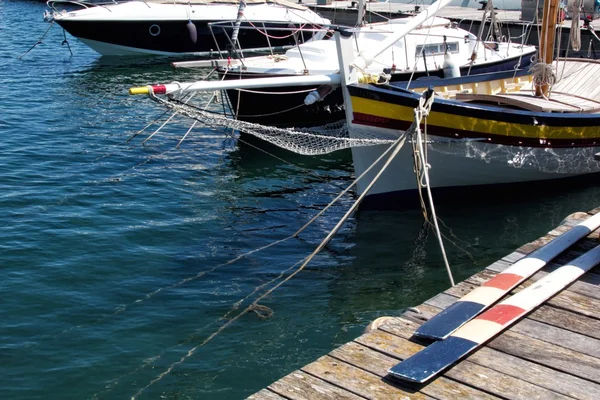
(436, 48)
(188, 27)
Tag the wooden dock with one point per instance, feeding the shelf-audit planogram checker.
(553, 353)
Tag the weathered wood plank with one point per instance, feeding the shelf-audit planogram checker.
(499, 265)
(595, 210)
(265, 394)
(362, 355)
(513, 257)
(301, 386)
(441, 387)
(473, 375)
(528, 371)
(549, 355)
(568, 320)
(576, 302)
(560, 337)
(358, 381)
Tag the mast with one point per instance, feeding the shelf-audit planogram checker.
(547, 38)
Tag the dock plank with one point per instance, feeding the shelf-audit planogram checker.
(567, 319)
(549, 355)
(301, 386)
(560, 337)
(467, 373)
(576, 302)
(400, 349)
(523, 346)
(265, 394)
(528, 371)
(553, 353)
(358, 381)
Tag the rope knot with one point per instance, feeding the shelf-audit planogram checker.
(263, 312)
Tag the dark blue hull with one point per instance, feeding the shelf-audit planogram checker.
(173, 37)
(282, 107)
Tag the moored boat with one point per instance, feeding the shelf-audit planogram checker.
(436, 48)
(489, 131)
(189, 27)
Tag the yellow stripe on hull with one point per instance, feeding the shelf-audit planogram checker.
(472, 124)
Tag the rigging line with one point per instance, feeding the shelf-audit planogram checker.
(196, 121)
(168, 119)
(202, 273)
(414, 69)
(148, 296)
(147, 126)
(266, 33)
(397, 146)
(39, 41)
(251, 307)
(235, 306)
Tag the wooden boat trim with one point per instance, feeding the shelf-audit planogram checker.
(532, 103)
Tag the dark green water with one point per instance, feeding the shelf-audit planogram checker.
(114, 255)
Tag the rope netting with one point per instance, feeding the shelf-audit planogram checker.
(306, 141)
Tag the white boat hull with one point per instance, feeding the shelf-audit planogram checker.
(471, 163)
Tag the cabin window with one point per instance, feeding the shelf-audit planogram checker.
(435, 49)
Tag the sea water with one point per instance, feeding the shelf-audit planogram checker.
(117, 258)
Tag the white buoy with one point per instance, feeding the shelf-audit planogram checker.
(192, 31)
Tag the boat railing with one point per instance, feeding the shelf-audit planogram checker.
(233, 48)
(83, 4)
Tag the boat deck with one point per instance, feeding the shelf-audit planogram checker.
(558, 102)
(553, 353)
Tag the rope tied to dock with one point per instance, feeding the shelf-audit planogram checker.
(265, 312)
(422, 167)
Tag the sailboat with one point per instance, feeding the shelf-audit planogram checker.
(485, 129)
(434, 48)
(500, 130)
(188, 27)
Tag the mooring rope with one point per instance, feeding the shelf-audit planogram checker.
(256, 306)
(423, 168)
(39, 41)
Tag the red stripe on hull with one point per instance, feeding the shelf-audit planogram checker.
(502, 313)
(503, 281)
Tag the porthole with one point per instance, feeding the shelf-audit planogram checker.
(154, 30)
